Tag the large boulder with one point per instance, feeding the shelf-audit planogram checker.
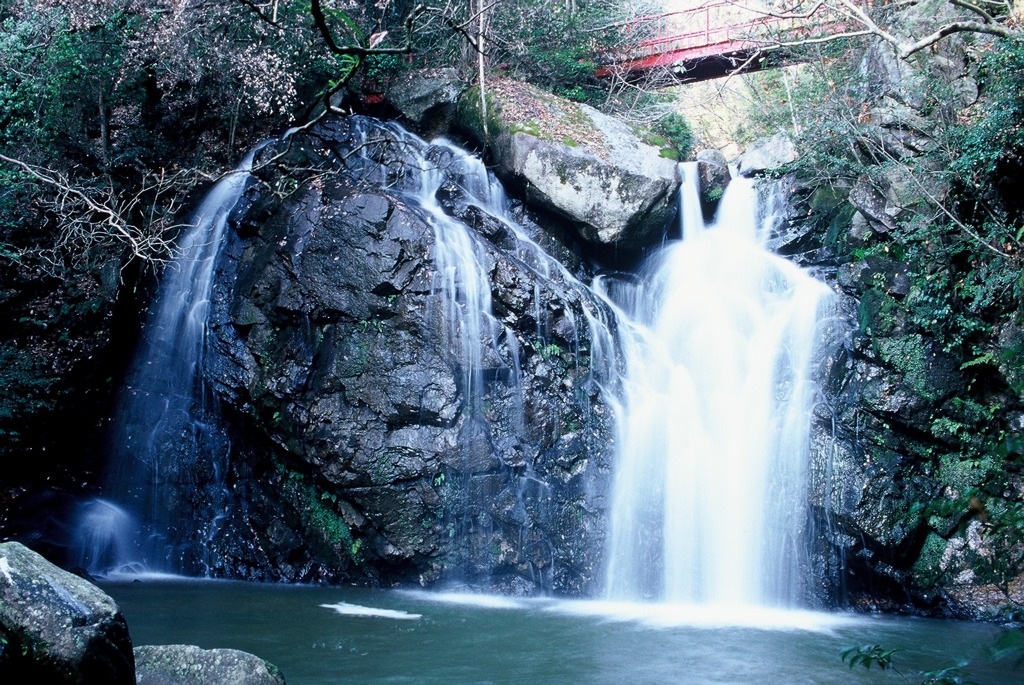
(383, 444)
(572, 160)
(426, 98)
(191, 665)
(56, 627)
(767, 154)
(713, 169)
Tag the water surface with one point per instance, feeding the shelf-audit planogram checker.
(401, 637)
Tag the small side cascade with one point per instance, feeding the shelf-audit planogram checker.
(165, 431)
(709, 499)
(446, 181)
(430, 170)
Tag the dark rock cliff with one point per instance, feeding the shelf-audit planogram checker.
(370, 448)
(916, 437)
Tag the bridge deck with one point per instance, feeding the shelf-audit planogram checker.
(708, 41)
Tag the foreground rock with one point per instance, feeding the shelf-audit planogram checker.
(576, 162)
(190, 665)
(57, 627)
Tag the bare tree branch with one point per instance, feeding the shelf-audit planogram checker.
(355, 49)
(851, 11)
(970, 6)
(258, 9)
(88, 217)
(906, 50)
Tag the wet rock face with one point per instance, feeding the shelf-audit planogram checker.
(899, 440)
(915, 439)
(426, 98)
(369, 448)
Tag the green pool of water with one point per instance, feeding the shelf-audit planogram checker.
(320, 636)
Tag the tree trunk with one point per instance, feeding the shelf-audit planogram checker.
(481, 66)
(104, 130)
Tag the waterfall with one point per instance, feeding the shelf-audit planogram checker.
(709, 497)
(164, 433)
(715, 336)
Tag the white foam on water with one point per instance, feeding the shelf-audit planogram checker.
(346, 609)
(483, 601)
(657, 614)
(671, 615)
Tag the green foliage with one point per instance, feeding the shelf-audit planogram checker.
(113, 97)
(957, 233)
(868, 656)
(678, 132)
(877, 656)
(385, 66)
(551, 44)
(55, 81)
(950, 675)
(42, 332)
(1010, 643)
(550, 350)
(319, 516)
(991, 141)
(1003, 536)
(30, 388)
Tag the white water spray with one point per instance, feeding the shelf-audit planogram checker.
(161, 425)
(710, 486)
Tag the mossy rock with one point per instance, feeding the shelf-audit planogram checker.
(928, 569)
(569, 159)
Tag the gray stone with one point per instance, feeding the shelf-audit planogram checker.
(57, 627)
(886, 275)
(426, 97)
(714, 173)
(622, 202)
(891, 76)
(190, 665)
(713, 158)
(767, 154)
(572, 160)
(872, 204)
(860, 230)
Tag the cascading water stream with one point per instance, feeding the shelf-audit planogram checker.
(437, 176)
(710, 486)
(162, 431)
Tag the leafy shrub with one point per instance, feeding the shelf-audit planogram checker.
(990, 165)
(677, 130)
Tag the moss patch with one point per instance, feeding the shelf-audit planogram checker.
(319, 516)
(908, 353)
(515, 107)
(928, 568)
(879, 314)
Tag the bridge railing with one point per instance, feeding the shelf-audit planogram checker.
(714, 27)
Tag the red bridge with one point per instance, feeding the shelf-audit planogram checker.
(714, 39)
